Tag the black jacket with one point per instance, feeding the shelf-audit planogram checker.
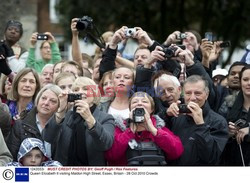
(21, 130)
(98, 139)
(203, 144)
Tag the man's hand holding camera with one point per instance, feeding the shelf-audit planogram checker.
(142, 36)
(184, 56)
(192, 109)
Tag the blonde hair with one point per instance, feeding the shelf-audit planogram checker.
(85, 81)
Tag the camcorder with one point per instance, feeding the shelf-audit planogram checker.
(241, 123)
(74, 96)
(138, 115)
(183, 108)
(181, 36)
(42, 37)
(130, 32)
(84, 23)
(170, 51)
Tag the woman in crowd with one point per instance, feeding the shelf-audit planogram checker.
(5, 88)
(49, 51)
(146, 127)
(24, 89)
(81, 135)
(32, 125)
(57, 69)
(106, 87)
(237, 150)
(65, 80)
(122, 79)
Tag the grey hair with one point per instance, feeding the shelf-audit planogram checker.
(195, 79)
(54, 88)
(167, 77)
(47, 65)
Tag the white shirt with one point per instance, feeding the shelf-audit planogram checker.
(124, 114)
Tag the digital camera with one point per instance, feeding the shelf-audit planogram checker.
(181, 36)
(74, 96)
(42, 37)
(209, 36)
(130, 32)
(138, 115)
(183, 108)
(241, 123)
(170, 51)
(225, 44)
(84, 23)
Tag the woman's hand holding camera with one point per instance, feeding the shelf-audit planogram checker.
(239, 133)
(33, 39)
(83, 109)
(63, 97)
(146, 124)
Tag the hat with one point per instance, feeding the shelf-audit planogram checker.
(221, 72)
(15, 23)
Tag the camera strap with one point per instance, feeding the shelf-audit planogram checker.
(99, 40)
(241, 155)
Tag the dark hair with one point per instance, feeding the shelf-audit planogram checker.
(246, 67)
(237, 63)
(196, 34)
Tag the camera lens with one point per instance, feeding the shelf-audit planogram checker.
(81, 25)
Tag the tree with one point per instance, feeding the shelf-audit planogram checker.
(228, 19)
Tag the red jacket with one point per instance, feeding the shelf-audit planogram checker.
(165, 139)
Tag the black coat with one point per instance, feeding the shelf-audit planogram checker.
(21, 130)
(98, 139)
(203, 144)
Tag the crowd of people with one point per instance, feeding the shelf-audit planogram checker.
(165, 105)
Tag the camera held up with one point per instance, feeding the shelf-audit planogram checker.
(74, 96)
(138, 115)
(170, 51)
(130, 32)
(181, 36)
(84, 23)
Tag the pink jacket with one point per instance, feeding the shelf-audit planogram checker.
(165, 139)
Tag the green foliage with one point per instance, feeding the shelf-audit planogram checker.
(229, 19)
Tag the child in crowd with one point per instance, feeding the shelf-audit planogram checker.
(32, 153)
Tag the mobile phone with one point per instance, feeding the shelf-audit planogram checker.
(209, 36)
(225, 44)
(42, 37)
